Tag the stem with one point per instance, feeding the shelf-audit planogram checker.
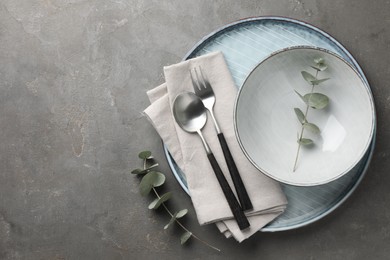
(302, 128)
(180, 224)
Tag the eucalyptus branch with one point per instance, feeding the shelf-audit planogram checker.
(183, 227)
(302, 127)
(149, 182)
(312, 100)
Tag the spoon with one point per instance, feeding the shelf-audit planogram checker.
(191, 115)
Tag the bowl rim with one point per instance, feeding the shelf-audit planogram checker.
(372, 108)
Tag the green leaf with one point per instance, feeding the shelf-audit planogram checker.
(322, 67)
(150, 180)
(173, 218)
(157, 202)
(184, 238)
(145, 187)
(316, 68)
(152, 166)
(300, 96)
(181, 213)
(316, 100)
(319, 60)
(145, 155)
(305, 141)
(312, 127)
(319, 81)
(136, 171)
(150, 163)
(320, 64)
(144, 171)
(308, 77)
(300, 115)
(311, 79)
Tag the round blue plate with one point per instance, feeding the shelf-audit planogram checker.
(244, 44)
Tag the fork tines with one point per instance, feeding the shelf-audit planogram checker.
(199, 81)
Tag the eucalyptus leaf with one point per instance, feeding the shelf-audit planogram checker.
(319, 81)
(153, 166)
(173, 218)
(316, 100)
(316, 68)
(145, 186)
(322, 67)
(157, 202)
(305, 141)
(308, 77)
(181, 213)
(302, 97)
(150, 163)
(145, 155)
(150, 166)
(158, 178)
(320, 64)
(168, 225)
(145, 189)
(299, 94)
(319, 60)
(312, 127)
(150, 180)
(136, 171)
(184, 238)
(144, 171)
(300, 115)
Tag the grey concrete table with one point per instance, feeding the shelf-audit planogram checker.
(73, 77)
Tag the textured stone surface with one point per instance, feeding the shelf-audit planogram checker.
(73, 76)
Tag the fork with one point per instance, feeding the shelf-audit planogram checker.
(205, 92)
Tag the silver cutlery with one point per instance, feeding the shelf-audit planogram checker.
(191, 115)
(204, 91)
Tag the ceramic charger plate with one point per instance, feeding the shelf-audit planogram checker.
(244, 44)
(268, 129)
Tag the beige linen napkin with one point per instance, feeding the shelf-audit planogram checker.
(187, 150)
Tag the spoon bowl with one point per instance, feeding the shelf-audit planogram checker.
(189, 112)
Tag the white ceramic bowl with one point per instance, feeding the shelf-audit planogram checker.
(267, 127)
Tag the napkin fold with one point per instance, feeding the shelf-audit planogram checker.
(187, 149)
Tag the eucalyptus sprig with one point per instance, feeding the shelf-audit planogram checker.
(313, 100)
(151, 179)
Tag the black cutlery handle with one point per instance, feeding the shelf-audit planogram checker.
(238, 214)
(242, 194)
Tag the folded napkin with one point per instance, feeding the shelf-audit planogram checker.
(187, 150)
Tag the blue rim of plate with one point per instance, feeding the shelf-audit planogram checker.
(352, 180)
